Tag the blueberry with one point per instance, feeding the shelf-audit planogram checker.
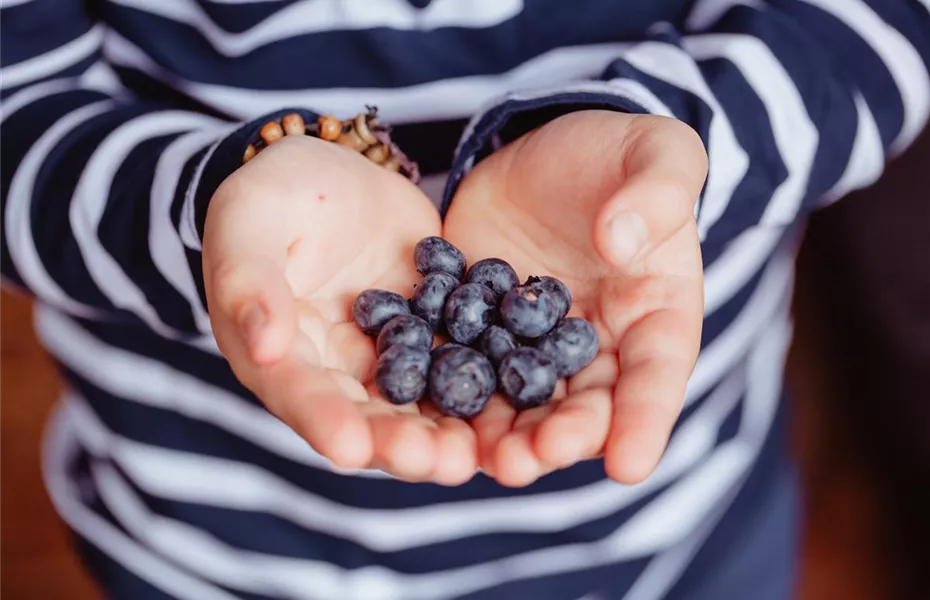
(401, 374)
(429, 298)
(571, 345)
(434, 254)
(556, 288)
(528, 311)
(527, 377)
(469, 310)
(495, 343)
(405, 330)
(442, 349)
(373, 308)
(461, 381)
(495, 274)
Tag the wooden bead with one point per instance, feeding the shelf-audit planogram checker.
(330, 128)
(392, 163)
(249, 153)
(378, 153)
(293, 124)
(271, 132)
(364, 131)
(351, 139)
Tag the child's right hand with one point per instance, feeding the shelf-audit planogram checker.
(290, 239)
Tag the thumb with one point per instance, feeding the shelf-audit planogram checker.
(665, 169)
(245, 253)
(257, 302)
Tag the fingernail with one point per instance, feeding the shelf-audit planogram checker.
(627, 231)
(253, 321)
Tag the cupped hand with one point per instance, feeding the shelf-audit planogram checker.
(290, 240)
(605, 202)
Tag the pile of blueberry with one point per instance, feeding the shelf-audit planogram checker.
(505, 336)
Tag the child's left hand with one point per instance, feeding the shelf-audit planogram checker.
(605, 202)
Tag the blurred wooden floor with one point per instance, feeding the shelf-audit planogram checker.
(35, 559)
(841, 559)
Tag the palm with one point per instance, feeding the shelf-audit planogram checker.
(409, 442)
(319, 237)
(373, 250)
(537, 208)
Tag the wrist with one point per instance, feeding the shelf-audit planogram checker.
(364, 133)
(219, 162)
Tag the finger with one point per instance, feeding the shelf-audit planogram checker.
(490, 426)
(516, 463)
(560, 391)
(602, 373)
(575, 430)
(457, 447)
(350, 386)
(347, 348)
(380, 404)
(665, 169)
(657, 356)
(456, 452)
(404, 443)
(319, 408)
(429, 410)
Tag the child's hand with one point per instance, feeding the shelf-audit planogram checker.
(290, 239)
(604, 201)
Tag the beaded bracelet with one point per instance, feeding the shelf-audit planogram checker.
(363, 133)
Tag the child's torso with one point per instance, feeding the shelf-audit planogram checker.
(171, 453)
(418, 64)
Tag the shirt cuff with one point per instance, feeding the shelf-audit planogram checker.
(515, 115)
(220, 161)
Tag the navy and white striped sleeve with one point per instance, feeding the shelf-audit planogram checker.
(798, 102)
(103, 195)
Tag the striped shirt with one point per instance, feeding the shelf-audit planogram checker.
(121, 117)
